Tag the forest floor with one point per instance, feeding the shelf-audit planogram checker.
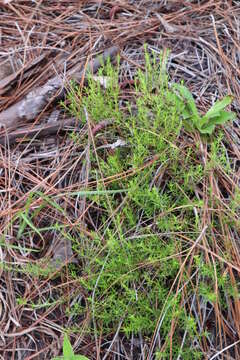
(119, 224)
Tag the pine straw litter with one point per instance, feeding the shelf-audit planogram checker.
(45, 44)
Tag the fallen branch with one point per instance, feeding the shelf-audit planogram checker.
(37, 99)
(51, 128)
(37, 131)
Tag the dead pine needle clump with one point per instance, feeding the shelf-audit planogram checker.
(120, 191)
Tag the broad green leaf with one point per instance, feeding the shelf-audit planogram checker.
(74, 357)
(205, 119)
(67, 349)
(172, 98)
(188, 125)
(185, 114)
(223, 117)
(217, 108)
(207, 130)
(186, 95)
(181, 107)
(195, 120)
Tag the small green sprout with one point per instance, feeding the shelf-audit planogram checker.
(216, 115)
(68, 353)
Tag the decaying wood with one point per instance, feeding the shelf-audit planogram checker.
(36, 131)
(37, 99)
(7, 75)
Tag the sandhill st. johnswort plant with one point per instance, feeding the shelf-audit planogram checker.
(142, 270)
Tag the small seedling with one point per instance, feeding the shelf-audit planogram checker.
(216, 115)
(68, 353)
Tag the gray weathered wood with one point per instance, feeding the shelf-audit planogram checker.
(37, 99)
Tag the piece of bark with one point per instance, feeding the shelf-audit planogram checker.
(10, 76)
(37, 99)
(37, 131)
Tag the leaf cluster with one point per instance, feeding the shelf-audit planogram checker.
(216, 115)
